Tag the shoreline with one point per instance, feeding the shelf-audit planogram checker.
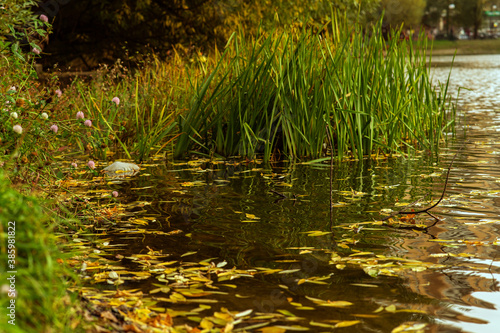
(465, 47)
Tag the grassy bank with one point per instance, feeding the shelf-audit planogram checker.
(465, 47)
(35, 276)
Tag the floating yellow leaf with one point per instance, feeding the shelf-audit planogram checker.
(286, 313)
(226, 317)
(362, 315)
(337, 304)
(206, 324)
(364, 285)
(410, 327)
(361, 254)
(251, 216)
(391, 308)
(243, 313)
(347, 323)
(294, 328)
(271, 329)
(289, 271)
(319, 324)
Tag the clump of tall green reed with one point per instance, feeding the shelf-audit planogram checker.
(278, 93)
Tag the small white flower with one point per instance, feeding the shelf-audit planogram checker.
(17, 128)
(44, 115)
(14, 115)
(13, 88)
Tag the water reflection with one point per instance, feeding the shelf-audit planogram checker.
(231, 213)
(256, 216)
(480, 74)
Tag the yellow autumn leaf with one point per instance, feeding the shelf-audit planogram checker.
(286, 313)
(410, 327)
(319, 324)
(347, 323)
(336, 304)
(294, 328)
(272, 329)
(206, 324)
(224, 316)
(391, 308)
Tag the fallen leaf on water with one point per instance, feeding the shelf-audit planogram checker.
(410, 327)
(364, 285)
(319, 324)
(286, 313)
(272, 329)
(347, 323)
(251, 216)
(321, 302)
(294, 328)
(243, 313)
(391, 308)
(289, 271)
(316, 233)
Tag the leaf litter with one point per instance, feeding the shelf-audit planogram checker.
(185, 294)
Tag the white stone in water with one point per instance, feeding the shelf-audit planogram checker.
(122, 169)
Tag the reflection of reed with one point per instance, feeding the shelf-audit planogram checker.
(454, 287)
(450, 285)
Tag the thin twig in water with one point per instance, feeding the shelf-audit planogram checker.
(426, 210)
(278, 193)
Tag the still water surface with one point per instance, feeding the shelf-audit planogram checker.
(445, 275)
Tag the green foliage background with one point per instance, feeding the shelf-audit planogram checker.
(93, 31)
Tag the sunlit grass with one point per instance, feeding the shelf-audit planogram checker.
(144, 123)
(274, 94)
(39, 275)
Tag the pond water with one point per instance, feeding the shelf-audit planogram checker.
(274, 246)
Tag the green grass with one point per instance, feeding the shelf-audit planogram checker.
(276, 94)
(273, 96)
(40, 281)
(144, 122)
(465, 47)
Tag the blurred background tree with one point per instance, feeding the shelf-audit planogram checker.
(469, 14)
(434, 11)
(403, 12)
(88, 32)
